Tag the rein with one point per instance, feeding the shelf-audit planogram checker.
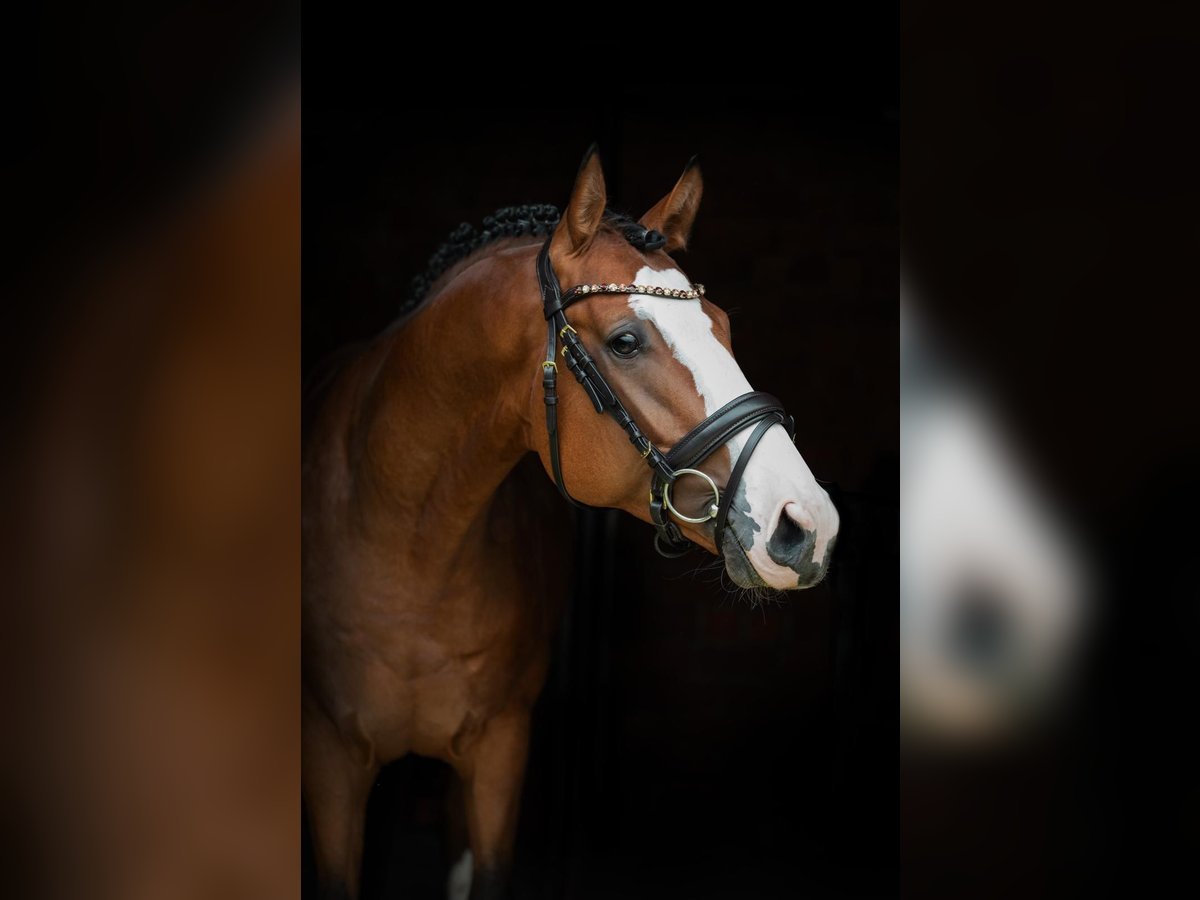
(692, 449)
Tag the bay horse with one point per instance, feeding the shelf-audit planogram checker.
(433, 573)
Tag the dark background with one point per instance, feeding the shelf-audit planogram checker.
(686, 744)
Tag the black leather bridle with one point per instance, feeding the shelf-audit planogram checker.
(694, 447)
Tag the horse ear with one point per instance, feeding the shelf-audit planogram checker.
(581, 221)
(674, 214)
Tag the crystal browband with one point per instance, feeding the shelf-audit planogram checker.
(693, 293)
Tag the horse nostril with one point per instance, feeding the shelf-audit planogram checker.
(796, 513)
(791, 543)
(981, 628)
(788, 532)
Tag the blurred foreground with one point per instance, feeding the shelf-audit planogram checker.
(993, 591)
(149, 634)
(1050, 451)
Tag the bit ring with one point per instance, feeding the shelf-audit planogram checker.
(712, 510)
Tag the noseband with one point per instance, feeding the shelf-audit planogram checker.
(693, 448)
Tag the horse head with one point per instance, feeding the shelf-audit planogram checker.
(665, 350)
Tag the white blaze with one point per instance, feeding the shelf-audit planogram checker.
(776, 474)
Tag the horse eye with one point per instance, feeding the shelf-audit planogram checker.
(625, 344)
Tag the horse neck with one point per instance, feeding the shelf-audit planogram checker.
(447, 416)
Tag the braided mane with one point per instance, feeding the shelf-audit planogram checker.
(530, 220)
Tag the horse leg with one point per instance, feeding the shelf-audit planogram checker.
(336, 781)
(493, 774)
(458, 843)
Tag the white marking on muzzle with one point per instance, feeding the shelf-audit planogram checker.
(777, 472)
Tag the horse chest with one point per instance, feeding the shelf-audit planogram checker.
(442, 678)
(425, 649)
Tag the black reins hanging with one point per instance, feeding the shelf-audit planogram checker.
(692, 449)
